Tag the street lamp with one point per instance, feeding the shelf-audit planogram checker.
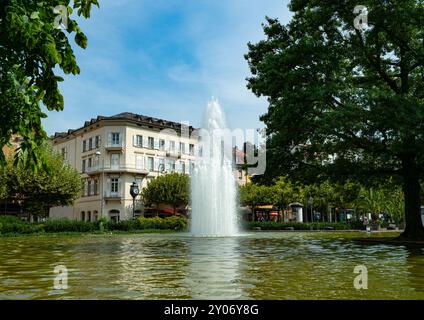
(134, 191)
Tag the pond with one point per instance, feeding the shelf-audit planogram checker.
(265, 265)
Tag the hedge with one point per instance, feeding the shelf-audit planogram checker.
(269, 225)
(13, 225)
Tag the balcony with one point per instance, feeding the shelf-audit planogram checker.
(110, 146)
(173, 154)
(112, 196)
(116, 169)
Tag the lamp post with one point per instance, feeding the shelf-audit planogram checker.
(134, 191)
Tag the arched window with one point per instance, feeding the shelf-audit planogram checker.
(82, 215)
(114, 215)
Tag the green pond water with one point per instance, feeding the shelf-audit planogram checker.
(266, 265)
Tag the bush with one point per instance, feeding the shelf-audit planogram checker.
(12, 225)
(65, 225)
(269, 225)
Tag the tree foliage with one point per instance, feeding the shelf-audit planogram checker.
(253, 195)
(33, 47)
(343, 102)
(172, 189)
(56, 185)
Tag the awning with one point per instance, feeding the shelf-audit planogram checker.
(265, 207)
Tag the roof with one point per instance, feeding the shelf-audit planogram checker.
(129, 116)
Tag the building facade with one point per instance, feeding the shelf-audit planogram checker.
(113, 152)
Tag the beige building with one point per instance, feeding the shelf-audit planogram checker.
(113, 152)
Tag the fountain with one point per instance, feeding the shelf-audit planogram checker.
(213, 186)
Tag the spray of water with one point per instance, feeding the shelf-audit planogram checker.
(213, 186)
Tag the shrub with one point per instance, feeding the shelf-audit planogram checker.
(11, 225)
(65, 225)
(269, 225)
(171, 223)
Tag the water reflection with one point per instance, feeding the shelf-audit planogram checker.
(214, 268)
(257, 266)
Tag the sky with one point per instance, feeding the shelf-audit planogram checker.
(167, 59)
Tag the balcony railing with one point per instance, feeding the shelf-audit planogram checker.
(114, 146)
(113, 195)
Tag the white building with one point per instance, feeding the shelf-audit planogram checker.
(113, 152)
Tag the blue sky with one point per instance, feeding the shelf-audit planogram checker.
(166, 59)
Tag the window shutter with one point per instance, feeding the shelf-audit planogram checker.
(145, 163)
(108, 186)
(119, 186)
(156, 164)
(109, 139)
(134, 140)
(145, 142)
(156, 143)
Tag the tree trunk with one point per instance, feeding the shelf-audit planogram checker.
(414, 229)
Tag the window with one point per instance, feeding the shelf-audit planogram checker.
(171, 165)
(84, 146)
(191, 147)
(64, 152)
(172, 146)
(96, 215)
(89, 216)
(90, 162)
(151, 143)
(183, 167)
(89, 187)
(182, 147)
(191, 166)
(150, 163)
(114, 185)
(90, 144)
(82, 216)
(96, 186)
(139, 162)
(161, 144)
(138, 141)
(114, 160)
(161, 166)
(114, 215)
(116, 138)
(240, 174)
(83, 166)
(97, 142)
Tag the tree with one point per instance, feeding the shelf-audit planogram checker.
(345, 103)
(32, 45)
(253, 195)
(173, 189)
(56, 185)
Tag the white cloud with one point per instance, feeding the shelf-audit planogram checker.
(122, 72)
